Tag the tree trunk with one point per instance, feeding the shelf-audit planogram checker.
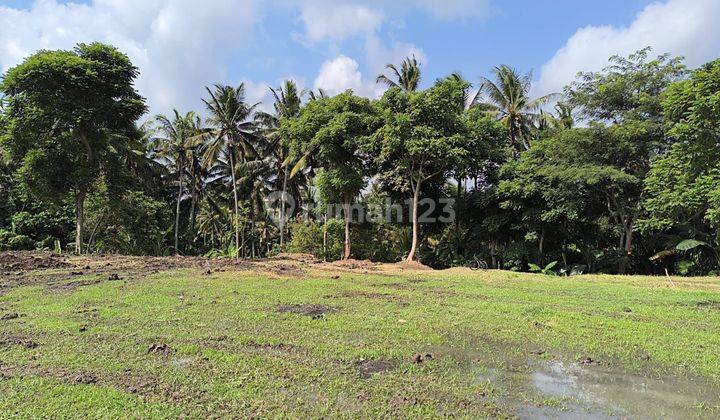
(457, 216)
(235, 198)
(493, 254)
(80, 198)
(79, 220)
(348, 247)
(193, 206)
(325, 236)
(622, 269)
(177, 205)
(416, 196)
(282, 208)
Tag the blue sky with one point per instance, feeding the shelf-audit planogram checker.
(182, 45)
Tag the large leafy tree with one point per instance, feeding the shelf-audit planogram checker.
(67, 111)
(683, 186)
(422, 138)
(571, 183)
(333, 131)
(407, 77)
(628, 95)
(508, 98)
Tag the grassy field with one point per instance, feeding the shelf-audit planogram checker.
(122, 337)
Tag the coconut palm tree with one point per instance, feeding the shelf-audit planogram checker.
(508, 99)
(407, 78)
(231, 135)
(565, 116)
(471, 97)
(321, 94)
(174, 140)
(288, 100)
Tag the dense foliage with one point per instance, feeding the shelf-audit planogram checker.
(622, 176)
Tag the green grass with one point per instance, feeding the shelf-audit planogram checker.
(234, 354)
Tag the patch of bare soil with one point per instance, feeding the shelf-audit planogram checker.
(299, 257)
(354, 264)
(28, 260)
(138, 383)
(368, 368)
(18, 341)
(162, 349)
(368, 295)
(286, 270)
(412, 265)
(312, 310)
(9, 316)
(708, 304)
(26, 268)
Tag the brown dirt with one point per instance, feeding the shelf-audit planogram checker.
(412, 265)
(139, 383)
(18, 341)
(368, 368)
(9, 316)
(312, 310)
(708, 304)
(286, 270)
(298, 257)
(27, 260)
(162, 349)
(354, 264)
(368, 295)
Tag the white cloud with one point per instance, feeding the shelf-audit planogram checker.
(456, 9)
(680, 27)
(178, 46)
(340, 74)
(337, 21)
(378, 54)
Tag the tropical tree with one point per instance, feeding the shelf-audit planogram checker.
(422, 138)
(406, 78)
(683, 186)
(321, 94)
(287, 104)
(628, 94)
(230, 137)
(66, 112)
(508, 98)
(333, 131)
(175, 141)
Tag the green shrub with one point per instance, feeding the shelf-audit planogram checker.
(21, 243)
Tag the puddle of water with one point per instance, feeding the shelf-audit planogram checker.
(537, 388)
(597, 393)
(556, 381)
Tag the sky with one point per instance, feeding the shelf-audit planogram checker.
(181, 46)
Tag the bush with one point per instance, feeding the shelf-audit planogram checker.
(306, 237)
(21, 243)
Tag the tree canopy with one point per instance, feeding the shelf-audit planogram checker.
(618, 173)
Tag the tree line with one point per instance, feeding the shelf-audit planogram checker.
(618, 173)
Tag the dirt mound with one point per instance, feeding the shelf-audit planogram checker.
(412, 265)
(286, 270)
(355, 264)
(28, 260)
(299, 257)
